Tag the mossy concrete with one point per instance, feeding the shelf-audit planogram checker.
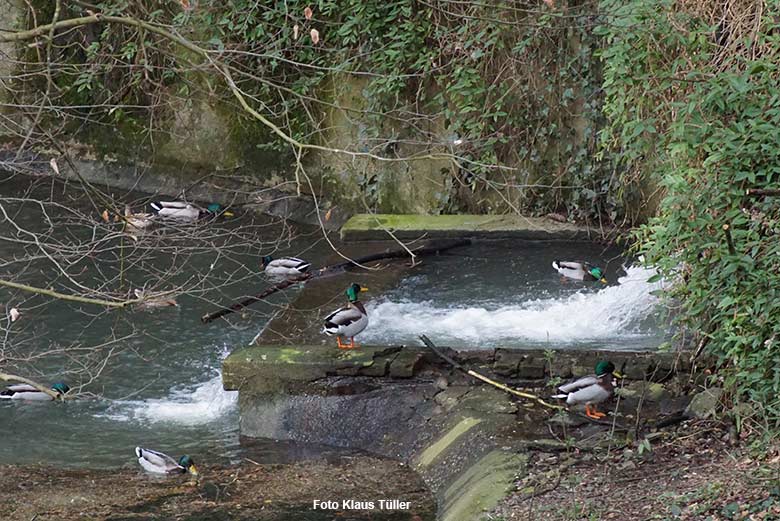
(430, 454)
(376, 226)
(482, 485)
(11, 17)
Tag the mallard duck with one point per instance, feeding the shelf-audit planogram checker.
(288, 267)
(349, 320)
(159, 463)
(153, 300)
(579, 271)
(28, 392)
(177, 210)
(182, 211)
(136, 221)
(591, 390)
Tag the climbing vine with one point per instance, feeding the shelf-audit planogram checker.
(692, 101)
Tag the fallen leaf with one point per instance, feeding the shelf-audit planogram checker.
(308, 13)
(186, 4)
(295, 31)
(14, 314)
(54, 166)
(327, 214)
(315, 36)
(104, 215)
(550, 3)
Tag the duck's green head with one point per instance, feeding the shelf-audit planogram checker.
(267, 260)
(604, 367)
(353, 290)
(60, 388)
(598, 274)
(186, 462)
(216, 209)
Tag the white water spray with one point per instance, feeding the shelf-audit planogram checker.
(609, 314)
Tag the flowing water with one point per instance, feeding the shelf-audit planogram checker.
(506, 294)
(161, 387)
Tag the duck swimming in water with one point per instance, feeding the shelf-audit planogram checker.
(348, 321)
(159, 463)
(579, 271)
(28, 392)
(286, 267)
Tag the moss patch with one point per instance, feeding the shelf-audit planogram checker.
(374, 226)
(482, 486)
(432, 452)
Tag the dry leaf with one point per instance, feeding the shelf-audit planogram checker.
(315, 36)
(550, 3)
(295, 31)
(186, 4)
(104, 215)
(327, 214)
(14, 313)
(308, 13)
(54, 166)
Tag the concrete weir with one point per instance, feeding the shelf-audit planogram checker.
(362, 227)
(467, 440)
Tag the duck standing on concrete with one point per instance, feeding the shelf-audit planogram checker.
(348, 321)
(591, 390)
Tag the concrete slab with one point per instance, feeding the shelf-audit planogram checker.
(362, 227)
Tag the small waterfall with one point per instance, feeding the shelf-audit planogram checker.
(205, 402)
(611, 313)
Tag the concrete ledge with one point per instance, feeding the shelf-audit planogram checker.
(363, 227)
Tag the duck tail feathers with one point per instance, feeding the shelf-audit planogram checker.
(556, 264)
(138, 451)
(560, 396)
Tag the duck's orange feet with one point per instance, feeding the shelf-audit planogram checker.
(340, 344)
(352, 344)
(591, 412)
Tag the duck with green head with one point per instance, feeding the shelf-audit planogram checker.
(348, 321)
(187, 212)
(159, 463)
(29, 392)
(580, 271)
(591, 390)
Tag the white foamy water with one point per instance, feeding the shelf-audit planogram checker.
(203, 403)
(611, 313)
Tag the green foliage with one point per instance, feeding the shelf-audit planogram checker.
(705, 121)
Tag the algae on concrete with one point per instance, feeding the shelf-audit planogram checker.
(376, 226)
(432, 452)
(482, 485)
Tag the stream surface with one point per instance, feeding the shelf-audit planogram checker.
(162, 389)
